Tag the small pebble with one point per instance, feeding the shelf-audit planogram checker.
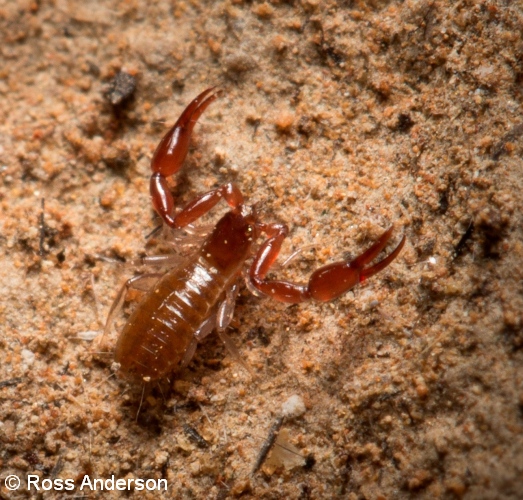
(293, 407)
(121, 88)
(28, 357)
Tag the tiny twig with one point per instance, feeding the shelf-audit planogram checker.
(269, 442)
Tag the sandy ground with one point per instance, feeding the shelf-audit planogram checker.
(339, 118)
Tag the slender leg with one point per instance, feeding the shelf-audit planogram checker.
(189, 353)
(223, 319)
(205, 328)
(158, 260)
(326, 283)
(220, 320)
(142, 282)
(226, 308)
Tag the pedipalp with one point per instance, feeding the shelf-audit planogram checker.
(327, 282)
(171, 152)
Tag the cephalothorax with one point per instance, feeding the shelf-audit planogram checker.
(189, 301)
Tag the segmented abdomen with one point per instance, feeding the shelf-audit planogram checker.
(162, 326)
